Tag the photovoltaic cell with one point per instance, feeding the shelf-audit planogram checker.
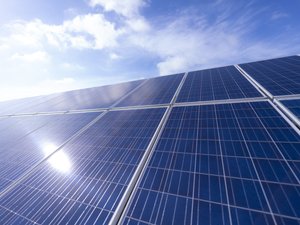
(24, 141)
(158, 90)
(278, 76)
(216, 84)
(293, 106)
(90, 98)
(221, 164)
(101, 163)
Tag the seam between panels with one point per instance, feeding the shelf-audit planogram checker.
(287, 97)
(36, 165)
(222, 101)
(285, 117)
(125, 202)
(254, 167)
(129, 93)
(257, 85)
(289, 115)
(223, 167)
(292, 125)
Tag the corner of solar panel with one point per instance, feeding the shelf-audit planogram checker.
(214, 146)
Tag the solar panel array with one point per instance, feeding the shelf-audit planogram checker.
(205, 147)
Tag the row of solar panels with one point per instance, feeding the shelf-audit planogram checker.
(278, 76)
(234, 163)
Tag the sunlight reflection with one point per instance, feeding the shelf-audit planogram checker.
(59, 160)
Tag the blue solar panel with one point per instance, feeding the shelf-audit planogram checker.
(216, 84)
(101, 163)
(158, 90)
(90, 98)
(19, 105)
(25, 141)
(278, 76)
(219, 163)
(293, 106)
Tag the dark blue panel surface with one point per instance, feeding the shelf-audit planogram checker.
(9, 218)
(84, 181)
(279, 76)
(216, 84)
(24, 141)
(90, 98)
(207, 170)
(159, 90)
(293, 106)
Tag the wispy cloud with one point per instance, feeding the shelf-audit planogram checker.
(127, 8)
(278, 15)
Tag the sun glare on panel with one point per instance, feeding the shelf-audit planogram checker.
(59, 160)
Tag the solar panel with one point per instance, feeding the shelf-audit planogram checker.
(158, 90)
(216, 84)
(19, 105)
(25, 141)
(96, 169)
(90, 98)
(293, 106)
(221, 164)
(216, 162)
(278, 76)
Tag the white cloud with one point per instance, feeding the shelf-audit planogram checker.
(102, 32)
(38, 56)
(90, 31)
(127, 8)
(114, 56)
(138, 24)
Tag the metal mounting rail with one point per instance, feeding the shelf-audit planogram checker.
(287, 113)
(287, 97)
(274, 100)
(127, 197)
(223, 101)
(254, 82)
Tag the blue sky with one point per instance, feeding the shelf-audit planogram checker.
(50, 46)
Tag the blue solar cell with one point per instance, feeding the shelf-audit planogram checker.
(90, 98)
(293, 106)
(84, 181)
(216, 84)
(9, 218)
(206, 165)
(25, 141)
(247, 217)
(159, 90)
(278, 76)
